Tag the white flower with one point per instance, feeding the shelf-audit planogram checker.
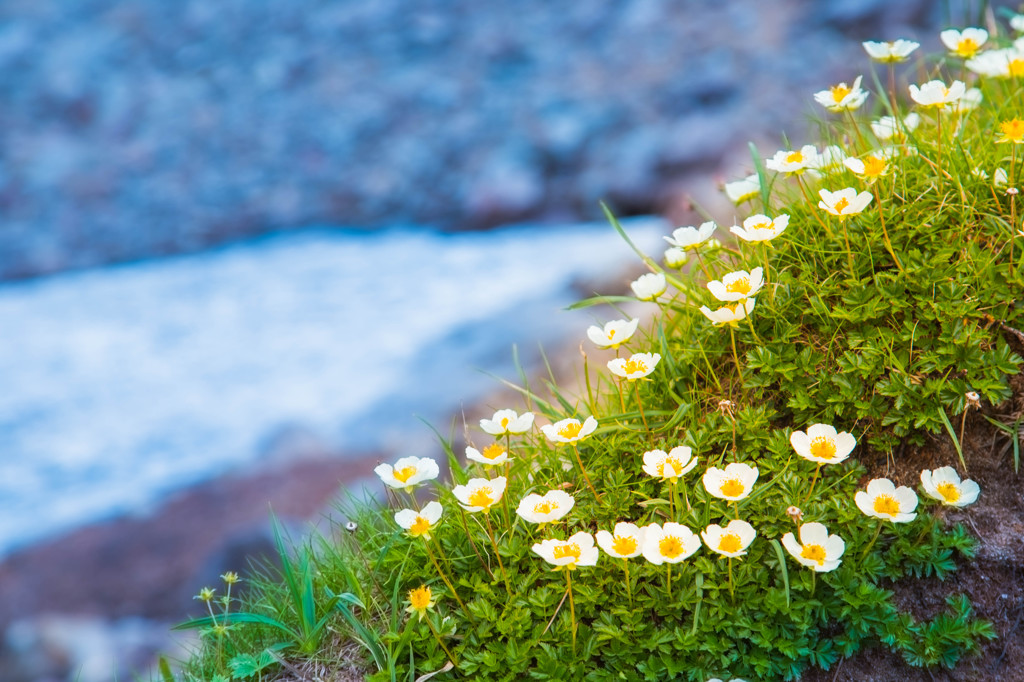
(842, 97)
(830, 158)
(669, 544)
(1005, 63)
(569, 430)
(729, 314)
(944, 485)
(671, 465)
(492, 455)
(889, 127)
(650, 286)
(1000, 178)
(480, 494)
(885, 501)
(794, 160)
(896, 51)
(626, 542)
(731, 541)
(675, 257)
(691, 237)
(578, 550)
(507, 421)
(636, 367)
(871, 167)
(936, 94)
(822, 444)
(743, 190)
(737, 286)
(964, 43)
(420, 523)
(844, 202)
(407, 472)
(613, 334)
(759, 228)
(1017, 23)
(551, 506)
(816, 549)
(732, 483)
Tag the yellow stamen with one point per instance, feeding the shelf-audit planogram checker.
(874, 167)
(966, 47)
(949, 491)
(419, 527)
(545, 507)
(1015, 68)
(635, 367)
(887, 505)
(570, 430)
(404, 474)
(670, 547)
(611, 334)
(732, 487)
(814, 553)
(481, 497)
(823, 448)
(839, 92)
(624, 544)
(740, 285)
(493, 451)
(794, 157)
(841, 204)
(567, 550)
(504, 422)
(731, 543)
(419, 598)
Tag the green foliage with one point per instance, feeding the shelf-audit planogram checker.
(883, 324)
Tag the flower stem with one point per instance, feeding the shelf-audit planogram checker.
(472, 544)
(438, 638)
(640, 406)
(668, 582)
(732, 591)
(735, 355)
(572, 607)
(629, 585)
(814, 480)
(885, 233)
(878, 531)
(584, 471)
(497, 554)
(814, 581)
(444, 577)
(849, 249)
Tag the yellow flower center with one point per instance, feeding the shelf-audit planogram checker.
(419, 598)
(670, 546)
(795, 157)
(966, 47)
(570, 430)
(404, 474)
(884, 504)
(814, 553)
(545, 507)
(1015, 68)
(730, 542)
(419, 527)
(823, 448)
(839, 92)
(732, 487)
(504, 422)
(635, 367)
(949, 491)
(624, 544)
(481, 497)
(874, 167)
(677, 466)
(611, 334)
(841, 204)
(1012, 130)
(740, 285)
(567, 550)
(493, 451)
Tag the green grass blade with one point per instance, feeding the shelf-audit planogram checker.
(952, 436)
(783, 569)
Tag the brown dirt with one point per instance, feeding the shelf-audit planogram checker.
(993, 580)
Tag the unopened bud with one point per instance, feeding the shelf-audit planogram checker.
(351, 526)
(973, 399)
(795, 514)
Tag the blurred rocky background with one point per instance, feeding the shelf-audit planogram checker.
(134, 130)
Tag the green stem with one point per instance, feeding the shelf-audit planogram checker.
(584, 471)
(732, 591)
(444, 577)
(640, 406)
(497, 554)
(572, 607)
(878, 531)
(629, 585)
(814, 480)
(438, 638)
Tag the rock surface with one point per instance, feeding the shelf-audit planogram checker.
(138, 129)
